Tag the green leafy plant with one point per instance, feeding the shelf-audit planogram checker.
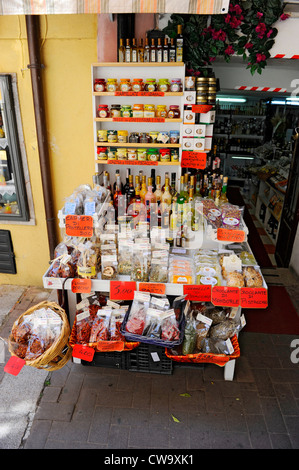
(246, 30)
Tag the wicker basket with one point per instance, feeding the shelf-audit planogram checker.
(59, 353)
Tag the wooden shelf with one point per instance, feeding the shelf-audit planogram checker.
(137, 162)
(138, 64)
(130, 144)
(112, 93)
(139, 120)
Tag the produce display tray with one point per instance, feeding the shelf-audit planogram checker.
(149, 358)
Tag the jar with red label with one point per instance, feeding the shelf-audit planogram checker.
(176, 85)
(99, 84)
(103, 111)
(174, 112)
(102, 153)
(150, 85)
(165, 155)
(137, 84)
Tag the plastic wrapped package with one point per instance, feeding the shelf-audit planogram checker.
(231, 216)
(141, 262)
(170, 328)
(224, 330)
(153, 324)
(203, 325)
(109, 266)
(247, 258)
(253, 277)
(235, 279)
(125, 255)
(190, 336)
(159, 303)
(117, 317)
(136, 319)
(100, 326)
(181, 270)
(159, 271)
(212, 213)
(217, 346)
(84, 323)
(88, 261)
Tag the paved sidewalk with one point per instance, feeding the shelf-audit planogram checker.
(194, 408)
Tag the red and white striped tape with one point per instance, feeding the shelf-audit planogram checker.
(260, 88)
(285, 56)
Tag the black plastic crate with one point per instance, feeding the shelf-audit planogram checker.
(142, 359)
(113, 359)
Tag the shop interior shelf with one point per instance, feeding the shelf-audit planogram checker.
(133, 162)
(134, 120)
(113, 93)
(130, 144)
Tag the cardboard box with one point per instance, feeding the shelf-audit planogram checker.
(187, 143)
(209, 130)
(188, 130)
(208, 143)
(208, 118)
(200, 130)
(199, 144)
(189, 117)
(189, 97)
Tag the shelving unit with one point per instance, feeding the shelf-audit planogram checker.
(264, 196)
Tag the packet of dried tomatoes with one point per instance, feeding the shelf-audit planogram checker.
(83, 326)
(100, 326)
(117, 317)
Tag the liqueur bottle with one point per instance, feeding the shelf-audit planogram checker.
(146, 51)
(121, 51)
(165, 50)
(179, 44)
(141, 51)
(172, 51)
(153, 51)
(159, 52)
(128, 51)
(134, 55)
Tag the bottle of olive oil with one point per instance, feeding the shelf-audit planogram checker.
(121, 51)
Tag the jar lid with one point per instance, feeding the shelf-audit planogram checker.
(176, 80)
(102, 149)
(150, 79)
(115, 106)
(172, 106)
(137, 79)
(124, 79)
(103, 106)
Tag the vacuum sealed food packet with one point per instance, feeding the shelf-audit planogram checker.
(231, 216)
(252, 277)
(136, 319)
(170, 327)
(159, 270)
(109, 266)
(84, 323)
(217, 346)
(203, 325)
(88, 261)
(100, 326)
(116, 320)
(125, 255)
(141, 262)
(190, 335)
(212, 213)
(153, 324)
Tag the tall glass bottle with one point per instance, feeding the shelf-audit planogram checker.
(158, 193)
(117, 194)
(186, 186)
(128, 51)
(141, 51)
(146, 51)
(179, 44)
(153, 51)
(165, 50)
(121, 51)
(131, 191)
(149, 199)
(165, 205)
(223, 198)
(143, 189)
(159, 52)
(173, 191)
(134, 54)
(126, 186)
(172, 51)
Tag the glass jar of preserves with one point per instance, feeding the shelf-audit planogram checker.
(112, 136)
(174, 155)
(126, 111)
(102, 153)
(201, 99)
(150, 85)
(174, 112)
(163, 85)
(164, 155)
(189, 83)
(144, 138)
(153, 154)
(115, 110)
(153, 136)
(149, 110)
(111, 153)
(132, 154)
(122, 136)
(137, 84)
(103, 111)
(121, 154)
(161, 110)
(176, 85)
(134, 138)
(111, 84)
(125, 84)
(102, 135)
(138, 110)
(174, 137)
(141, 154)
(99, 84)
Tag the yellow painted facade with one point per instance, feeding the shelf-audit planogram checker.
(68, 48)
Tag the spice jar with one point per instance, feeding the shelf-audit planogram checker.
(144, 138)
(125, 84)
(111, 84)
(176, 85)
(137, 84)
(153, 154)
(174, 112)
(153, 136)
(102, 153)
(150, 84)
(103, 111)
(174, 137)
(112, 136)
(122, 136)
(134, 138)
(163, 85)
(111, 153)
(165, 155)
(138, 110)
(132, 154)
(126, 110)
(115, 110)
(102, 135)
(149, 110)
(121, 153)
(99, 84)
(174, 154)
(141, 154)
(161, 110)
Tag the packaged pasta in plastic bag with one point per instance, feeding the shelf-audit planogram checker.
(100, 326)
(136, 320)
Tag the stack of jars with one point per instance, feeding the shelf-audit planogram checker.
(138, 154)
(122, 136)
(206, 90)
(137, 84)
(139, 111)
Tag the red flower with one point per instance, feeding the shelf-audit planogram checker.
(227, 18)
(259, 15)
(248, 45)
(235, 23)
(236, 8)
(269, 33)
(284, 16)
(219, 35)
(260, 57)
(229, 50)
(261, 29)
(211, 59)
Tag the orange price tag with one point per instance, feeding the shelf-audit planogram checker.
(254, 297)
(81, 286)
(198, 293)
(132, 162)
(14, 365)
(125, 119)
(201, 108)
(122, 290)
(103, 346)
(79, 226)
(81, 351)
(193, 160)
(224, 296)
(139, 93)
(230, 235)
(152, 287)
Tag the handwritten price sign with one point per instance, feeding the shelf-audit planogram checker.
(79, 226)
(14, 365)
(81, 351)
(139, 93)
(122, 290)
(81, 286)
(194, 160)
(198, 293)
(254, 297)
(229, 235)
(224, 296)
(152, 287)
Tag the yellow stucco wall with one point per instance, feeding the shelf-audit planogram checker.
(69, 47)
